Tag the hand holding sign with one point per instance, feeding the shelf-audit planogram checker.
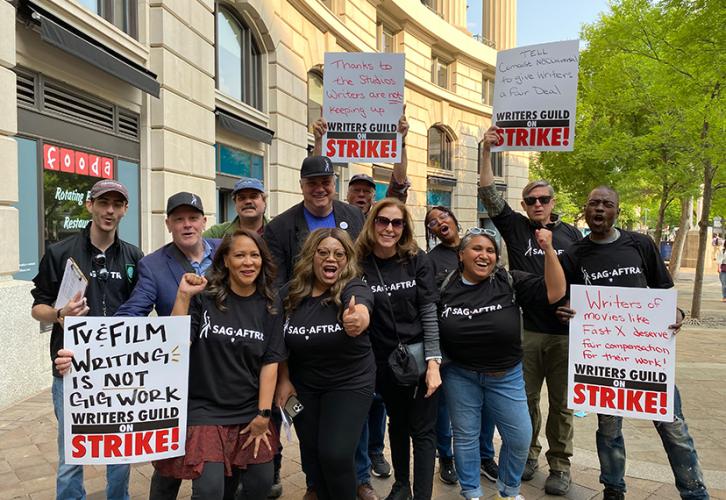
(320, 128)
(63, 361)
(403, 124)
(355, 318)
(491, 138)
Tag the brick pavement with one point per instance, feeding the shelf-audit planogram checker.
(28, 433)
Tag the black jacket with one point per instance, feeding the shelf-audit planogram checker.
(287, 232)
(102, 297)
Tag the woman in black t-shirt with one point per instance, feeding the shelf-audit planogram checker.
(330, 365)
(402, 280)
(480, 324)
(236, 347)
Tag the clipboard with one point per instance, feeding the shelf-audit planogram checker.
(74, 281)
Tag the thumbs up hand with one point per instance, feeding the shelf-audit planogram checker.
(355, 318)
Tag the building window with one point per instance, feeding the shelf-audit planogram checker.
(487, 90)
(386, 39)
(434, 5)
(120, 13)
(497, 160)
(231, 164)
(439, 147)
(315, 96)
(440, 72)
(239, 60)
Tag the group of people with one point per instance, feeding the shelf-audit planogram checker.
(357, 322)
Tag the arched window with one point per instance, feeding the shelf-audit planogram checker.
(315, 96)
(439, 147)
(239, 60)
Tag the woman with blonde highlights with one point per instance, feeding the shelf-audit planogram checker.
(330, 365)
(402, 281)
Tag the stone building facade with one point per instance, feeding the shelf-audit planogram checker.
(170, 95)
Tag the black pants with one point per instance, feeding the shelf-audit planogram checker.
(252, 483)
(329, 428)
(411, 417)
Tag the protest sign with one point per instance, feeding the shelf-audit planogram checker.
(362, 102)
(622, 354)
(535, 97)
(125, 398)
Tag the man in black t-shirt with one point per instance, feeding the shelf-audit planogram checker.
(614, 257)
(545, 339)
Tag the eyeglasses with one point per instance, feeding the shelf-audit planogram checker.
(99, 260)
(475, 231)
(385, 221)
(324, 253)
(531, 200)
(438, 220)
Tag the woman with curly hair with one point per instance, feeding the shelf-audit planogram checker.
(232, 376)
(402, 280)
(330, 365)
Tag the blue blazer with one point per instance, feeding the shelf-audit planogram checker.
(158, 280)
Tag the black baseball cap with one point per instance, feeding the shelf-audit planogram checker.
(184, 199)
(362, 177)
(316, 166)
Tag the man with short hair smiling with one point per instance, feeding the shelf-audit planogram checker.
(250, 202)
(286, 233)
(545, 340)
(110, 265)
(592, 261)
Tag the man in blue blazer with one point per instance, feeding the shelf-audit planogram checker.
(159, 273)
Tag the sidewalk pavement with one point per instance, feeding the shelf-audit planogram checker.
(28, 453)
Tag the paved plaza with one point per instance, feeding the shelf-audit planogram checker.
(28, 453)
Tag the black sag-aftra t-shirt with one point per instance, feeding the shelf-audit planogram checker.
(322, 357)
(407, 286)
(479, 324)
(444, 259)
(630, 261)
(525, 255)
(227, 353)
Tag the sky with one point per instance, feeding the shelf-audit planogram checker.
(540, 21)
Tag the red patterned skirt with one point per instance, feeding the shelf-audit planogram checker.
(217, 443)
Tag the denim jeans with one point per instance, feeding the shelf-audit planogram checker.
(722, 277)
(371, 440)
(467, 393)
(69, 478)
(677, 443)
(444, 435)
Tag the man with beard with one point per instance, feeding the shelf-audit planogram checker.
(250, 202)
(545, 339)
(610, 256)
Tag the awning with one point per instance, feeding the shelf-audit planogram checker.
(68, 39)
(242, 127)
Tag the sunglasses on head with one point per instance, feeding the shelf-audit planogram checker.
(385, 221)
(100, 262)
(481, 230)
(531, 200)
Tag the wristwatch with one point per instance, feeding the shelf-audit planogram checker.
(265, 413)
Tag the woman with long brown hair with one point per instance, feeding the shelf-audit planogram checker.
(232, 375)
(402, 281)
(330, 365)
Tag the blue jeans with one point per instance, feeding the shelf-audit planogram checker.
(69, 478)
(722, 277)
(444, 436)
(677, 443)
(371, 440)
(467, 394)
